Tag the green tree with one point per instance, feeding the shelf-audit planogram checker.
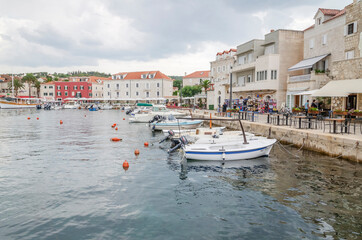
(205, 85)
(17, 85)
(29, 79)
(49, 79)
(190, 91)
(177, 83)
(37, 85)
(56, 79)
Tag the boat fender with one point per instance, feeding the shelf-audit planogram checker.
(171, 133)
(116, 139)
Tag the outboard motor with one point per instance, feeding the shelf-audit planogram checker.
(182, 142)
(170, 135)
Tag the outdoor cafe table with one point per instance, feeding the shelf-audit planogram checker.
(279, 117)
(335, 120)
(304, 117)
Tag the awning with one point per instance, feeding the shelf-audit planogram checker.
(308, 92)
(340, 88)
(307, 63)
(296, 91)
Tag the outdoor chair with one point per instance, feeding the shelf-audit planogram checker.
(345, 125)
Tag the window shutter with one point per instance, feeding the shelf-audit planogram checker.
(355, 27)
(345, 30)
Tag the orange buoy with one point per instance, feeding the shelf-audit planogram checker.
(116, 128)
(116, 139)
(125, 165)
(37, 118)
(136, 152)
(146, 144)
(114, 124)
(61, 122)
(28, 118)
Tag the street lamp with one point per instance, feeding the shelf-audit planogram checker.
(231, 87)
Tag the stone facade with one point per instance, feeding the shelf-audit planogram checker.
(353, 41)
(220, 78)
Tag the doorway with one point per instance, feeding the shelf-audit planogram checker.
(351, 102)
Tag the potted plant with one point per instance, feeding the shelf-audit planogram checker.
(340, 112)
(313, 110)
(357, 113)
(296, 110)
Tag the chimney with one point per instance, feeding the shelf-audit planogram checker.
(272, 30)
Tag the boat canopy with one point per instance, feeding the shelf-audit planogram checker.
(144, 105)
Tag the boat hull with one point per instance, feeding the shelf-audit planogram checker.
(9, 105)
(248, 152)
(176, 126)
(146, 118)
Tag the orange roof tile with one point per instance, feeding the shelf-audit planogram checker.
(137, 75)
(198, 74)
(337, 15)
(329, 12)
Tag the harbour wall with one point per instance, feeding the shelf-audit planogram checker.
(342, 146)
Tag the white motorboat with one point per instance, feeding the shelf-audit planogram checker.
(106, 106)
(214, 150)
(15, 103)
(156, 110)
(71, 105)
(172, 124)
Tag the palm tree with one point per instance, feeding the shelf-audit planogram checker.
(17, 85)
(205, 85)
(37, 85)
(29, 79)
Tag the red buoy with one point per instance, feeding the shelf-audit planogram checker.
(136, 152)
(124, 119)
(146, 144)
(125, 165)
(116, 139)
(114, 124)
(61, 122)
(37, 118)
(28, 118)
(116, 128)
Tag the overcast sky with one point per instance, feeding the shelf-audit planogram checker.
(173, 36)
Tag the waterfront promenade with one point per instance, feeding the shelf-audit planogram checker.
(347, 146)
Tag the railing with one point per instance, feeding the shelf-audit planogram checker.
(300, 78)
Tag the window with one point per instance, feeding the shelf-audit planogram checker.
(50, 87)
(59, 94)
(66, 94)
(75, 87)
(324, 39)
(152, 75)
(223, 68)
(242, 59)
(90, 94)
(126, 85)
(147, 94)
(311, 43)
(265, 74)
(81, 87)
(147, 85)
(269, 49)
(65, 87)
(137, 85)
(126, 93)
(51, 94)
(136, 93)
(158, 84)
(117, 86)
(158, 94)
(144, 76)
(241, 81)
(90, 87)
(350, 54)
(249, 79)
(118, 94)
(45, 94)
(319, 21)
(273, 74)
(257, 76)
(218, 69)
(45, 86)
(108, 85)
(59, 87)
(73, 94)
(350, 28)
(109, 94)
(250, 57)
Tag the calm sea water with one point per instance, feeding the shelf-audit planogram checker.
(67, 182)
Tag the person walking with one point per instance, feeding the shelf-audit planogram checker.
(224, 109)
(306, 107)
(314, 104)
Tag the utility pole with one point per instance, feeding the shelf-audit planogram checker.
(231, 87)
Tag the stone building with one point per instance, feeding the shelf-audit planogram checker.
(323, 45)
(138, 86)
(260, 73)
(220, 78)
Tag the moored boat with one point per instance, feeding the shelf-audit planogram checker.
(15, 103)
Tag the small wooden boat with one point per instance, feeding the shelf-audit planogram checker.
(15, 103)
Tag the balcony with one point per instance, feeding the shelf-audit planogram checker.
(242, 67)
(300, 78)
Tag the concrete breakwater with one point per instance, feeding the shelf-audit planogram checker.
(343, 146)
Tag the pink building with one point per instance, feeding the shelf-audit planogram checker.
(75, 89)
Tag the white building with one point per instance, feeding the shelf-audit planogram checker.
(138, 86)
(220, 78)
